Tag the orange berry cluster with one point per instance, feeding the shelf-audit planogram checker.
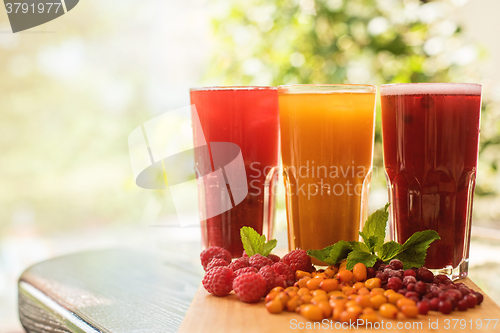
(340, 294)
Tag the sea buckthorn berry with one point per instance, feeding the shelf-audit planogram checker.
(319, 292)
(303, 291)
(330, 272)
(388, 310)
(404, 301)
(345, 276)
(277, 289)
(292, 289)
(274, 306)
(318, 299)
(348, 316)
(373, 283)
(293, 303)
(351, 303)
(358, 285)
(377, 291)
(283, 297)
(329, 285)
(363, 301)
(368, 309)
(410, 311)
(291, 293)
(299, 308)
(270, 296)
(348, 290)
(300, 274)
(393, 298)
(312, 312)
(337, 310)
(306, 299)
(356, 309)
(359, 272)
(314, 283)
(363, 291)
(343, 265)
(302, 283)
(325, 308)
(387, 292)
(368, 318)
(377, 301)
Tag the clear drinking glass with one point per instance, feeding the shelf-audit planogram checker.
(327, 134)
(236, 120)
(431, 138)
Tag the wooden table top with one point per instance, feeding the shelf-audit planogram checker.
(119, 290)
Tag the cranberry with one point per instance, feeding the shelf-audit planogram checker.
(423, 274)
(382, 267)
(394, 283)
(410, 272)
(434, 304)
(412, 294)
(409, 279)
(471, 300)
(443, 278)
(462, 305)
(457, 295)
(378, 264)
(370, 272)
(402, 291)
(445, 307)
(479, 297)
(382, 276)
(435, 290)
(464, 290)
(396, 263)
(421, 287)
(411, 287)
(414, 298)
(423, 307)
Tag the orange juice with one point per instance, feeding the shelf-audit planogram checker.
(327, 148)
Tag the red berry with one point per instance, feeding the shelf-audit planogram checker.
(410, 272)
(394, 283)
(258, 261)
(286, 272)
(434, 304)
(383, 276)
(219, 280)
(214, 252)
(298, 260)
(370, 272)
(274, 257)
(216, 262)
(462, 305)
(421, 287)
(471, 300)
(410, 287)
(479, 297)
(409, 279)
(249, 287)
(423, 307)
(397, 264)
(271, 278)
(245, 270)
(423, 274)
(445, 307)
(239, 263)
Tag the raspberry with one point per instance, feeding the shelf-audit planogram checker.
(258, 261)
(216, 262)
(298, 260)
(245, 270)
(274, 257)
(239, 263)
(214, 252)
(244, 254)
(271, 278)
(219, 280)
(284, 271)
(249, 287)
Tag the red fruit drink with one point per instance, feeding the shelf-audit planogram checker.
(247, 117)
(430, 137)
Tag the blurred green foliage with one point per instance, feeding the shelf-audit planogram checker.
(262, 42)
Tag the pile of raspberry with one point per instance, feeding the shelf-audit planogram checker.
(437, 293)
(253, 277)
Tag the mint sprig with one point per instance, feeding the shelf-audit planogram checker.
(412, 253)
(254, 243)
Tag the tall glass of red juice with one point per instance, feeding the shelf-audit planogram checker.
(430, 138)
(247, 117)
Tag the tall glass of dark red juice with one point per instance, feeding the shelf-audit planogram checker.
(430, 138)
(247, 117)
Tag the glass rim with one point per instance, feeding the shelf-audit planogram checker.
(326, 88)
(431, 88)
(228, 88)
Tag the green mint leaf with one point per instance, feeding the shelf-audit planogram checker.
(359, 246)
(370, 242)
(332, 254)
(253, 243)
(375, 226)
(414, 250)
(268, 247)
(389, 250)
(366, 258)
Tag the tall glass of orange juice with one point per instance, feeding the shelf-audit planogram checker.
(327, 136)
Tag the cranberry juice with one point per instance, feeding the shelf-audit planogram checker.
(248, 117)
(430, 137)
